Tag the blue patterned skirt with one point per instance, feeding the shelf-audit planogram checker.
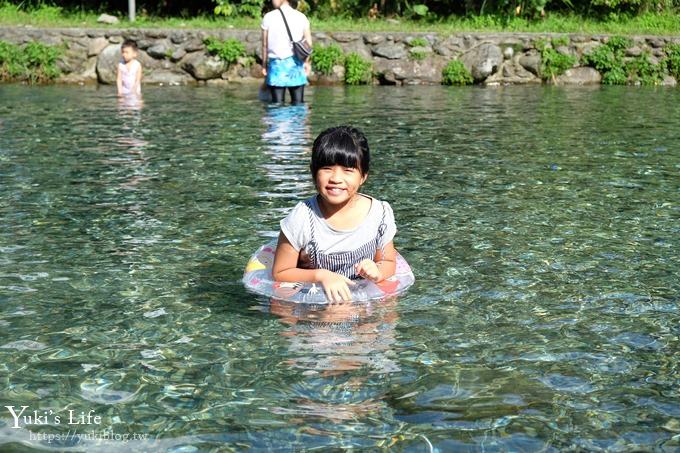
(285, 72)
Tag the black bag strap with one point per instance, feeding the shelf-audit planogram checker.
(285, 22)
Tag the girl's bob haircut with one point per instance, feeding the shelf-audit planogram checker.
(342, 145)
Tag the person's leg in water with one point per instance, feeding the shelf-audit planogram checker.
(278, 94)
(297, 94)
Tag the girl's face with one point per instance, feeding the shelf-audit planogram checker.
(277, 3)
(128, 53)
(338, 184)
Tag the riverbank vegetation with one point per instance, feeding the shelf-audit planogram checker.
(33, 63)
(623, 17)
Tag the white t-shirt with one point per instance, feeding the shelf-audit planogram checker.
(278, 43)
(322, 246)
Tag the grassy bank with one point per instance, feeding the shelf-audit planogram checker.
(665, 24)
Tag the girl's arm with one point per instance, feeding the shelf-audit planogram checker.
(382, 266)
(285, 270)
(265, 50)
(285, 264)
(387, 262)
(138, 79)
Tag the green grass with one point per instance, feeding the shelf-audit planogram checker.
(666, 24)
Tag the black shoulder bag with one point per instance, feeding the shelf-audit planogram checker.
(301, 49)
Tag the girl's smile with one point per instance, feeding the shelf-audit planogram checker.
(338, 184)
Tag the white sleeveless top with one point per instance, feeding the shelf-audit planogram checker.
(129, 76)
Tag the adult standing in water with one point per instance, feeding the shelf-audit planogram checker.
(280, 66)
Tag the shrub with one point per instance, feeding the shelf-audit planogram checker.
(455, 73)
(230, 50)
(640, 70)
(604, 59)
(672, 60)
(324, 58)
(609, 59)
(615, 76)
(619, 43)
(35, 62)
(252, 8)
(560, 41)
(357, 70)
(417, 55)
(554, 63)
(419, 42)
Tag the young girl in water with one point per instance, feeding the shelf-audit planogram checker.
(339, 234)
(129, 78)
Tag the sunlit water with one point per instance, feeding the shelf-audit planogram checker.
(542, 224)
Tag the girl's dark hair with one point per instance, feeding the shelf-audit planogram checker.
(342, 145)
(129, 43)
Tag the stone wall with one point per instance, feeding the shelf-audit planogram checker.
(178, 56)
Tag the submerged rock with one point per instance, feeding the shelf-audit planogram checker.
(24, 345)
(165, 77)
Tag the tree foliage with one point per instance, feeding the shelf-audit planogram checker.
(423, 10)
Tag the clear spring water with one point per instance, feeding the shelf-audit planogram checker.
(542, 224)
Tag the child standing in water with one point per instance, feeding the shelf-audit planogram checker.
(129, 79)
(339, 234)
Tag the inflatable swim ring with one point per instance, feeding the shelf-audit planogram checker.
(258, 279)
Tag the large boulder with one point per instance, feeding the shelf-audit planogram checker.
(450, 46)
(345, 36)
(159, 50)
(96, 45)
(409, 72)
(178, 54)
(511, 72)
(390, 50)
(531, 61)
(579, 76)
(483, 60)
(194, 45)
(202, 66)
(374, 38)
(356, 46)
(107, 64)
(178, 37)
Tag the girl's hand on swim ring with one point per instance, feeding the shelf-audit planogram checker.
(369, 270)
(335, 286)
